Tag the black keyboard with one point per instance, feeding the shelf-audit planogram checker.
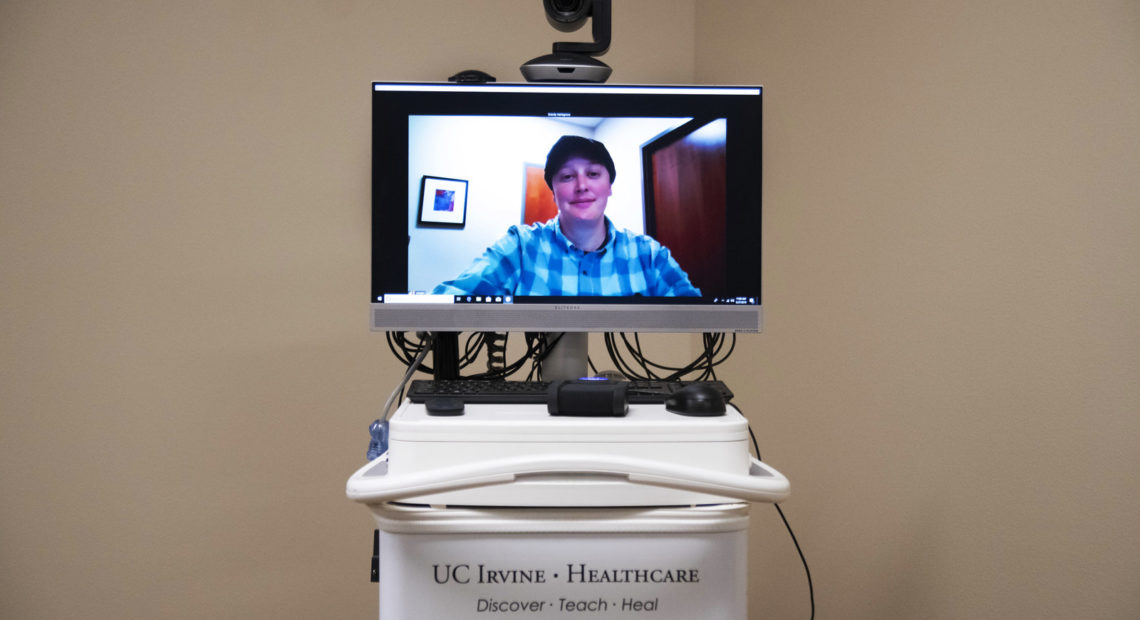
(534, 392)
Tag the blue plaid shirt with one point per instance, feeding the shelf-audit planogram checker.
(540, 260)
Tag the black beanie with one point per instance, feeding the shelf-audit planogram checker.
(568, 147)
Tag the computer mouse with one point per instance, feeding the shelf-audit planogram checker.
(696, 399)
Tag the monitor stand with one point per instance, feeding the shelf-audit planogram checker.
(568, 359)
(445, 355)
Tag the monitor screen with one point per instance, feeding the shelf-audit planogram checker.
(555, 207)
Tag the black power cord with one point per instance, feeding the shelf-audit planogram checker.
(807, 571)
(803, 559)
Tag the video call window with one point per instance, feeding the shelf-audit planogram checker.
(669, 184)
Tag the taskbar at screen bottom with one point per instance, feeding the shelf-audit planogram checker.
(567, 315)
(426, 299)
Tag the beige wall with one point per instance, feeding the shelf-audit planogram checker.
(947, 374)
(187, 372)
(950, 369)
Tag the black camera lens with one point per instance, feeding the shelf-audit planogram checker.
(567, 11)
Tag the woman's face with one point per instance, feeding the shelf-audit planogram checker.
(581, 189)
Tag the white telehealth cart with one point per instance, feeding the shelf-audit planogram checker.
(509, 512)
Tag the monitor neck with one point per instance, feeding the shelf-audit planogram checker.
(568, 358)
(445, 355)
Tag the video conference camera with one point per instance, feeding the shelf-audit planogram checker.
(573, 61)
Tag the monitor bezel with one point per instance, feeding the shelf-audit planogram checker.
(742, 104)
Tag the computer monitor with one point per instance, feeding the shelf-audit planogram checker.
(466, 214)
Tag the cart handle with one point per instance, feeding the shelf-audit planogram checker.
(372, 484)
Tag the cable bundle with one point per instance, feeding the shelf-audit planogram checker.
(639, 367)
(406, 346)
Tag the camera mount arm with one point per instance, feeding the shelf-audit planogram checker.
(599, 10)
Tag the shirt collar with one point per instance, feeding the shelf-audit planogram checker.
(569, 245)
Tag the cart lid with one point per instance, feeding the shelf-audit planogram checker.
(532, 423)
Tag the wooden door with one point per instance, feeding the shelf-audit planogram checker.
(685, 200)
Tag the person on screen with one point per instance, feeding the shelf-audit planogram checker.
(579, 252)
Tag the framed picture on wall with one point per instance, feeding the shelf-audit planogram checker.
(443, 202)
